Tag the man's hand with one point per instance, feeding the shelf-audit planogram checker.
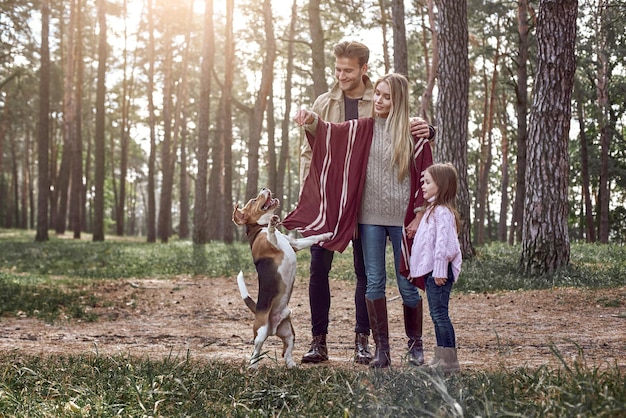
(419, 128)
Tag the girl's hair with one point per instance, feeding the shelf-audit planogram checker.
(398, 122)
(445, 177)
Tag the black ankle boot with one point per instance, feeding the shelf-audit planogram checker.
(362, 353)
(318, 351)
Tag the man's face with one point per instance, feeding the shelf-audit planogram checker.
(349, 73)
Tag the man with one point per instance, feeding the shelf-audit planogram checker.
(350, 98)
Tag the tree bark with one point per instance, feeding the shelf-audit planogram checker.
(318, 53)
(400, 53)
(452, 106)
(545, 237)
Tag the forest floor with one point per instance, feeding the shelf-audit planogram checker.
(205, 319)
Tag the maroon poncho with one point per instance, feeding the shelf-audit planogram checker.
(331, 195)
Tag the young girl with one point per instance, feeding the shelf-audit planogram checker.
(436, 254)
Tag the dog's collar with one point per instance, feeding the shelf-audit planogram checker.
(252, 230)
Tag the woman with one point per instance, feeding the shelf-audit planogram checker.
(388, 203)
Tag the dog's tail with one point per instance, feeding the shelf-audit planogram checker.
(251, 304)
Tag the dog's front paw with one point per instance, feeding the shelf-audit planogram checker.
(274, 220)
(326, 236)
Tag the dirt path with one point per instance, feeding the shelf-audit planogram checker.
(207, 319)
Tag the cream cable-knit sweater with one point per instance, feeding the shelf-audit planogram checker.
(436, 244)
(385, 199)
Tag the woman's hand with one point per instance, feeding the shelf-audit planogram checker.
(304, 117)
(411, 229)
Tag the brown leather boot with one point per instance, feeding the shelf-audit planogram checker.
(413, 318)
(318, 351)
(362, 353)
(377, 312)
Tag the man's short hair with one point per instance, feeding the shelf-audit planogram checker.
(352, 49)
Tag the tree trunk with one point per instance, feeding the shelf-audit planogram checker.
(44, 126)
(318, 53)
(120, 204)
(602, 85)
(521, 108)
(400, 53)
(69, 122)
(167, 167)
(76, 192)
(227, 121)
(452, 106)
(431, 68)
(200, 224)
(26, 183)
(271, 142)
(183, 226)
(545, 238)
(256, 124)
(99, 139)
(286, 122)
(151, 216)
(504, 170)
(384, 21)
(590, 230)
(486, 158)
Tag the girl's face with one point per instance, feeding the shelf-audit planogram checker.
(382, 100)
(429, 187)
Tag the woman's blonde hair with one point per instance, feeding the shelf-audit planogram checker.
(398, 122)
(446, 178)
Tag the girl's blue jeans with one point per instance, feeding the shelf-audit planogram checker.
(438, 301)
(374, 241)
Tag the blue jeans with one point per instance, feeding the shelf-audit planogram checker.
(374, 242)
(438, 301)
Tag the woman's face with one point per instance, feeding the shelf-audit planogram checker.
(382, 100)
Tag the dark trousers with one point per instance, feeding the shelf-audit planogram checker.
(319, 289)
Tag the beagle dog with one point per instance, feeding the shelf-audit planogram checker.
(275, 260)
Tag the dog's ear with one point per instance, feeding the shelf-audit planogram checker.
(239, 217)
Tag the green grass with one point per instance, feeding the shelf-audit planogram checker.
(92, 385)
(45, 279)
(52, 280)
(44, 299)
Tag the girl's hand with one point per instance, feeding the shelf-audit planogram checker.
(440, 281)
